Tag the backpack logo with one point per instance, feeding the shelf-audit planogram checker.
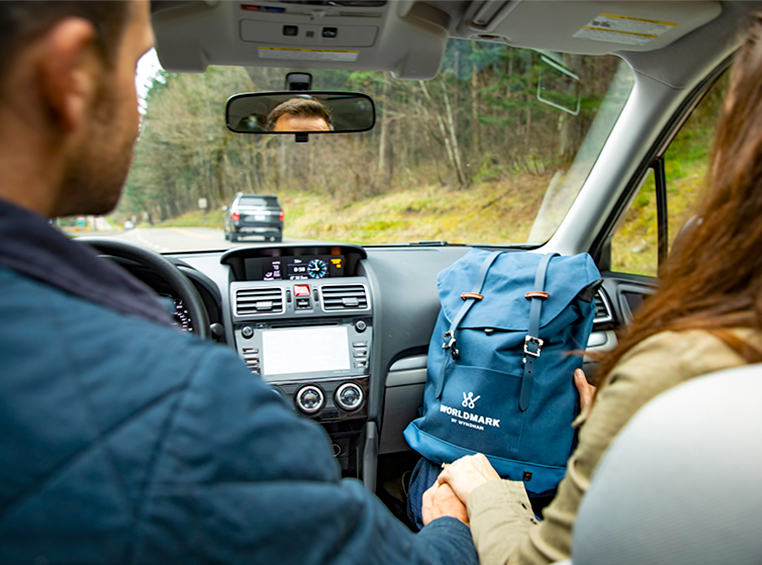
(469, 401)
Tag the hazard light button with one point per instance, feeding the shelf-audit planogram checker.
(301, 290)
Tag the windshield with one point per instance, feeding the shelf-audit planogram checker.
(494, 150)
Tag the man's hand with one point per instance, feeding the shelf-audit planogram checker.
(467, 473)
(586, 390)
(439, 501)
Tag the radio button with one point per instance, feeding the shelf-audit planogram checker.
(359, 344)
(361, 326)
(349, 397)
(310, 399)
(360, 353)
(247, 332)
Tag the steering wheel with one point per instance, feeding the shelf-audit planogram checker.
(162, 267)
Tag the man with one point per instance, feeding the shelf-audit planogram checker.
(299, 114)
(123, 439)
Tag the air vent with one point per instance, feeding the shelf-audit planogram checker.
(250, 301)
(344, 297)
(603, 313)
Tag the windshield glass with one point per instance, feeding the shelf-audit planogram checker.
(494, 150)
(257, 201)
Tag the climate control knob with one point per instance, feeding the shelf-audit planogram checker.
(310, 399)
(349, 397)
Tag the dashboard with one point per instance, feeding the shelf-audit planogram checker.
(302, 319)
(341, 331)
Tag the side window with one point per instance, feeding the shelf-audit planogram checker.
(634, 246)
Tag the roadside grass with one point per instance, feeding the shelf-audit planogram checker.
(491, 212)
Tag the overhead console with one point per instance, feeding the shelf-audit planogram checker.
(303, 320)
(405, 37)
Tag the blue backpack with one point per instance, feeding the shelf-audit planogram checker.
(501, 360)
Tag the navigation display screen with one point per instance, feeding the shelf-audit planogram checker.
(294, 268)
(305, 350)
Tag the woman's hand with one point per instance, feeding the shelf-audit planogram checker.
(467, 473)
(585, 389)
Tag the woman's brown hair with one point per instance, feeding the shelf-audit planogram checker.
(713, 279)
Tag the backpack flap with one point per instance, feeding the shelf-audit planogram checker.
(504, 305)
(525, 293)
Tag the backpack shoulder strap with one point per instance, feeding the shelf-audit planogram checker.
(469, 299)
(532, 342)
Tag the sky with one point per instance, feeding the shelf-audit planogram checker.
(148, 66)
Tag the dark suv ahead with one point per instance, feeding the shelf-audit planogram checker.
(254, 214)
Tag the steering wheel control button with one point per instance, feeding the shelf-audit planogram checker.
(310, 399)
(349, 397)
(247, 332)
(361, 326)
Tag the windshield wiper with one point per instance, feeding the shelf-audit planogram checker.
(433, 243)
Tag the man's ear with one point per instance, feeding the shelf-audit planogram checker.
(70, 71)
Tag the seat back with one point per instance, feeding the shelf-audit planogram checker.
(682, 482)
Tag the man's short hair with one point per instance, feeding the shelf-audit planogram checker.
(299, 107)
(23, 21)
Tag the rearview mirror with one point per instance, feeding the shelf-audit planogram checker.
(300, 112)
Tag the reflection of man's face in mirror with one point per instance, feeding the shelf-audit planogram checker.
(287, 122)
(299, 114)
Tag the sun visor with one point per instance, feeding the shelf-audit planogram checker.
(406, 38)
(591, 28)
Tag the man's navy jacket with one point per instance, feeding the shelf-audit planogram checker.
(127, 441)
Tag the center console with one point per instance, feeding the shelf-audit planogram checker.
(303, 321)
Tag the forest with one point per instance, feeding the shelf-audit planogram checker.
(479, 123)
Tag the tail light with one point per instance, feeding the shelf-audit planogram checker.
(281, 215)
(236, 216)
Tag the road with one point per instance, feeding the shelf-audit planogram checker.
(164, 240)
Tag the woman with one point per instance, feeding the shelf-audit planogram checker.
(706, 316)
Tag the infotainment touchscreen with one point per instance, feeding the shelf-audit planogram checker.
(305, 350)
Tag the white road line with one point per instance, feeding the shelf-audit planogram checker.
(150, 244)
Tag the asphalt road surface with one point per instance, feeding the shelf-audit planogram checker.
(165, 240)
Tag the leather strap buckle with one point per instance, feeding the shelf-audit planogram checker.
(528, 339)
